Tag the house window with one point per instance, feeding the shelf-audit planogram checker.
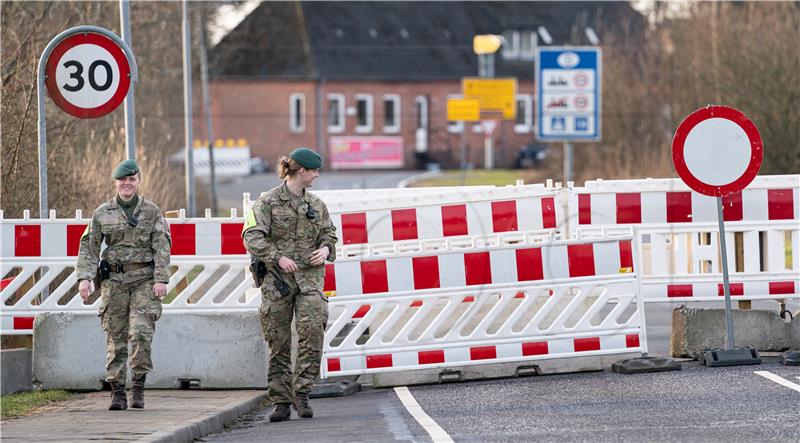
(297, 112)
(363, 113)
(391, 113)
(528, 43)
(454, 126)
(335, 113)
(511, 45)
(422, 111)
(524, 119)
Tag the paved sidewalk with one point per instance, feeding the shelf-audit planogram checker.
(169, 416)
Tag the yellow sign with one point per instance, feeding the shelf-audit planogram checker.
(494, 94)
(463, 109)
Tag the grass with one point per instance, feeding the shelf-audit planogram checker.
(23, 403)
(496, 177)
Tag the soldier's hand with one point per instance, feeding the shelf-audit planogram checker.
(287, 265)
(86, 287)
(318, 257)
(159, 290)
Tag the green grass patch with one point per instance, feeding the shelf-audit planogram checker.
(496, 177)
(23, 403)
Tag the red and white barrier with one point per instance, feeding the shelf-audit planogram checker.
(564, 299)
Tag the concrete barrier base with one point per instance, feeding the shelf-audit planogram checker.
(219, 350)
(791, 358)
(491, 371)
(696, 330)
(644, 365)
(15, 371)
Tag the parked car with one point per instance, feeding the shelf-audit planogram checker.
(530, 156)
(258, 165)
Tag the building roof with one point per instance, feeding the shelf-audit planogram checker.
(394, 40)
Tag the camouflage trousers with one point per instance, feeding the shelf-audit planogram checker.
(310, 311)
(128, 314)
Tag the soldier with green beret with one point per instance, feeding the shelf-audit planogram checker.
(290, 231)
(134, 270)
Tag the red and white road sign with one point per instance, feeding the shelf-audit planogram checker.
(717, 151)
(88, 75)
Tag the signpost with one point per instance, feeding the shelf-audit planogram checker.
(87, 71)
(717, 151)
(463, 109)
(568, 96)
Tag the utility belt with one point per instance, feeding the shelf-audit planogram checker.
(119, 269)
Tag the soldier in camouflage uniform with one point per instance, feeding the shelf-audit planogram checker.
(290, 231)
(138, 244)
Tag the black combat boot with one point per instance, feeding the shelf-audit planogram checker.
(302, 407)
(280, 413)
(137, 393)
(118, 400)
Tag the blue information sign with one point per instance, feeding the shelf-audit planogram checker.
(568, 81)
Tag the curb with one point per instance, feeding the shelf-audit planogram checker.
(205, 424)
(414, 178)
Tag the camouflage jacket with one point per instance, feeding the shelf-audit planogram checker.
(148, 241)
(274, 228)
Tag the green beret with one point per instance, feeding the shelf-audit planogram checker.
(307, 158)
(126, 168)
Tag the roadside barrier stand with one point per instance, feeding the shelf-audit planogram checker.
(489, 305)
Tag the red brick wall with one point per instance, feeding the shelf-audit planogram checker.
(258, 111)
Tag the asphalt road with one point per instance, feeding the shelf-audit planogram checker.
(696, 404)
(230, 191)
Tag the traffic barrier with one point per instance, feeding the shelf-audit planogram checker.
(678, 234)
(506, 304)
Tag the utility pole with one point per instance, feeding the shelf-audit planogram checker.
(187, 110)
(207, 106)
(130, 114)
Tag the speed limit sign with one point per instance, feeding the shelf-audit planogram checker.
(87, 75)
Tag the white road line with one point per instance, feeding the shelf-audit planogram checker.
(778, 379)
(431, 427)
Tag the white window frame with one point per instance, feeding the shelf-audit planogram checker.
(340, 108)
(454, 126)
(293, 117)
(395, 99)
(533, 38)
(526, 127)
(422, 112)
(511, 48)
(366, 128)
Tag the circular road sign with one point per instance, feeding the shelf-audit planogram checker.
(88, 75)
(717, 151)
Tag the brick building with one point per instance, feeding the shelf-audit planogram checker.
(344, 76)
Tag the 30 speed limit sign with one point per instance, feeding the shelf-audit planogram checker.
(88, 75)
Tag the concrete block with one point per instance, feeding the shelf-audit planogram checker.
(222, 350)
(15, 370)
(694, 330)
(497, 370)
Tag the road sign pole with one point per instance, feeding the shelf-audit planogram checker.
(130, 114)
(488, 158)
(567, 162)
(725, 283)
(187, 109)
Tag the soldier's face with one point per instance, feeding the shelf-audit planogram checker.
(127, 186)
(307, 176)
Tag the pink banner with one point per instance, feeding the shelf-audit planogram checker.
(366, 152)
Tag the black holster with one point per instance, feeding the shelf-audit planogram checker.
(259, 271)
(103, 273)
(280, 285)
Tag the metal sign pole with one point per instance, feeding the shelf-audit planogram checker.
(567, 161)
(187, 109)
(130, 115)
(725, 283)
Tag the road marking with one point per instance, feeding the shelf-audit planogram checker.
(431, 427)
(778, 379)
